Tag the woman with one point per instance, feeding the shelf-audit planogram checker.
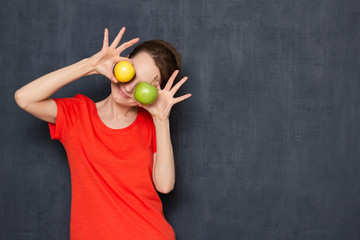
(119, 151)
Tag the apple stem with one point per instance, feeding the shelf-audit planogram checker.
(154, 79)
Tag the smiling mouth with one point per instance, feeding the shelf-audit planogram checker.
(122, 93)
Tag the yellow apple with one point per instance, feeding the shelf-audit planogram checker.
(124, 71)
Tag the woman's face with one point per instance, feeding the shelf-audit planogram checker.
(145, 70)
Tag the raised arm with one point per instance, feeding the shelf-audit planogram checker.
(163, 164)
(35, 96)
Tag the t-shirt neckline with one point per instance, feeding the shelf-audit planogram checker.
(113, 130)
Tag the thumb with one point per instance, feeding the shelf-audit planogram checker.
(113, 78)
(157, 85)
(140, 105)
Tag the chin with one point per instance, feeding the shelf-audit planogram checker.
(120, 99)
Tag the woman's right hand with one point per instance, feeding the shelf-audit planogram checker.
(104, 61)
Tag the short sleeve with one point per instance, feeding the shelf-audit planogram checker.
(67, 111)
(153, 138)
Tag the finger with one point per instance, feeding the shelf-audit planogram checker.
(140, 105)
(119, 59)
(178, 85)
(182, 98)
(171, 80)
(112, 78)
(118, 38)
(106, 38)
(126, 45)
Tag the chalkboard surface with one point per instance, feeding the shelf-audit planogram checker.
(267, 147)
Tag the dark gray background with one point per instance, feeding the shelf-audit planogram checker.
(266, 148)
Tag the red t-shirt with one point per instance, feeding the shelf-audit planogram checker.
(113, 195)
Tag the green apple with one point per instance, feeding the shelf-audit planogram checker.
(145, 93)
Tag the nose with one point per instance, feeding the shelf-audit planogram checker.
(129, 87)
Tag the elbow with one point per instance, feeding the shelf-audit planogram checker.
(18, 99)
(165, 189)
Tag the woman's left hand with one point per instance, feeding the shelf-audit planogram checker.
(160, 109)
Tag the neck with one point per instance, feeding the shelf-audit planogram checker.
(115, 110)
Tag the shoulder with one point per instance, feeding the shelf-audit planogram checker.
(145, 114)
(75, 103)
(145, 117)
(77, 98)
(82, 100)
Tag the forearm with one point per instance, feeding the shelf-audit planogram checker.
(43, 87)
(164, 166)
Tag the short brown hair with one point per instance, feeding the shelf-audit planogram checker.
(166, 57)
